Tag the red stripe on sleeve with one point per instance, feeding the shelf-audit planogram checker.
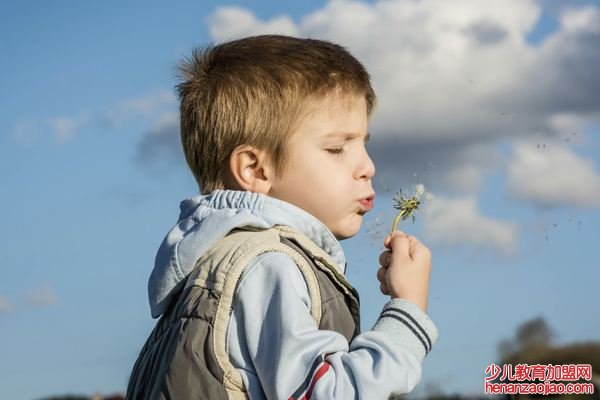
(320, 372)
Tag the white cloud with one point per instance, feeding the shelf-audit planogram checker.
(581, 19)
(139, 106)
(5, 305)
(42, 296)
(553, 175)
(457, 221)
(63, 129)
(464, 178)
(160, 147)
(563, 124)
(470, 164)
(422, 54)
(231, 21)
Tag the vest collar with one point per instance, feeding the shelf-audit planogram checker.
(273, 211)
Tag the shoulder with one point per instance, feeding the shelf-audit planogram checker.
(272, 272)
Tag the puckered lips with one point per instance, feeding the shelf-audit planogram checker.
(366, 204)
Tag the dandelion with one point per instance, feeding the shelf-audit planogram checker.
(408, 206)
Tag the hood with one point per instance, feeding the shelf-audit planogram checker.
(205, 219)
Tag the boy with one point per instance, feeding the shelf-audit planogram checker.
(250, 283)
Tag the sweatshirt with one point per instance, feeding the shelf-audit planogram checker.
(272, 339)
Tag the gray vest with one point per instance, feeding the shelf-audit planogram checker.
(185, 356)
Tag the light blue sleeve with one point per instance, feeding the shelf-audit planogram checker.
(279, 350)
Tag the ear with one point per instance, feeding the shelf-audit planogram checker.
(248, 169)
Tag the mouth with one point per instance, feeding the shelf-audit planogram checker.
(366, 204)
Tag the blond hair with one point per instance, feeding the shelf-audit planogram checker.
(253, 91)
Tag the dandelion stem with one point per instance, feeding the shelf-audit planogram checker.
(400, 214)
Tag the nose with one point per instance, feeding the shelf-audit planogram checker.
(366, 167)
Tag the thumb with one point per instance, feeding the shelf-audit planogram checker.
(388, 238)
(398, 242)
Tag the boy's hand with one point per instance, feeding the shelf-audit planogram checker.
(405, 269)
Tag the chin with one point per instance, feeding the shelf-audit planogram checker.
(347, 228)
(347, 234)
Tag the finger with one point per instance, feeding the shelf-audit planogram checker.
(388, 239)
(381, 275)
(385, 258)
(413, 240)
(420, 252)
(399, 244)
(414, 245)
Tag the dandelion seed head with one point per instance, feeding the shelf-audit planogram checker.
(407, 206)
(419, 190)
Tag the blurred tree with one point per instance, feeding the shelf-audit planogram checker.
(533, 344)
(506, 347)
(534, 333)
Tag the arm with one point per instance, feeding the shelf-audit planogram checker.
(275, 341)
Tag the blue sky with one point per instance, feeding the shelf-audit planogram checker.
(92, 177)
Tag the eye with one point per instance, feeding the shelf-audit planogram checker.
(339, 150)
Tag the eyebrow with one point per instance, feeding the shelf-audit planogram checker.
(347, 135)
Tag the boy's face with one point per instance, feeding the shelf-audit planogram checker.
(329, 171)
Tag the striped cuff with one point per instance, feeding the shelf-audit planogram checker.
(407, 326)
